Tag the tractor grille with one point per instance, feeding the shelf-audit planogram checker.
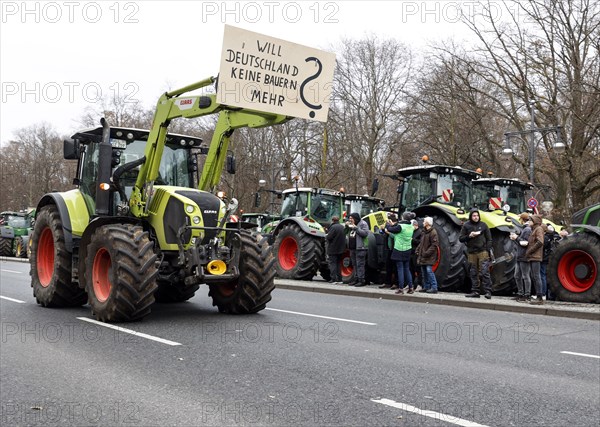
(159, 194)
(209, 205)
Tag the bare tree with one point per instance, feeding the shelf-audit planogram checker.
(548, 55)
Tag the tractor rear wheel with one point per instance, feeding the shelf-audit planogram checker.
(450, 270)
(573, 269)
(51, 263)
(503, 273)
(172, 292)
(251, 291)
(298, 254)
(120, 273)
(20, 248)
(5, 246)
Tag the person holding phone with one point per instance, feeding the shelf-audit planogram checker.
(476, 235)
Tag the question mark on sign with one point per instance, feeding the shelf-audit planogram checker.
(310, 78)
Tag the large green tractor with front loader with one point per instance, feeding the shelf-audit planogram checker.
(573, 268)
(298, 238)
(138, 229)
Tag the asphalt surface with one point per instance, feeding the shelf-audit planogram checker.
(308, 359)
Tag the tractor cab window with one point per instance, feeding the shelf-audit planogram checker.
(482, 193)
(18, 221)
(515, 198)
(324, 207)
(363, 207)
(417, 189)
(460, 186)
(89, 176)
(294, 204)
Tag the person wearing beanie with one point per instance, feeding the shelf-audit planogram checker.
(523, 268)
(391, 279)
(476, 235)
(534, 255)
(336, 246)
(358, 233)
(402, 233)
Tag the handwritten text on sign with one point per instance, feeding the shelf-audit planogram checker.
(268, 74)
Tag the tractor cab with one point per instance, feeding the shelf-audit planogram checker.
(501, 193)
(312, 204)
(362, 204)
(448, 186)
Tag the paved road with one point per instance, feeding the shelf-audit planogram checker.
(309, 359)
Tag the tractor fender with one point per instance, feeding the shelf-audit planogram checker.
(583, 228)
(311, 230)
(430, 210)
(57, 200)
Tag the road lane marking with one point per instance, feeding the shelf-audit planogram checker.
(431, 414)
(130, 331)
(11, 271)
(323, 317)
(12, 299)
(581, 354)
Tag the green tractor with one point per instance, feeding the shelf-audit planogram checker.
(573, 271)
(15, 230)
(446, 194)
(136, 229)
(298, 238)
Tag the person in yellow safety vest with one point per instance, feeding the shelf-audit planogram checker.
(402, 233)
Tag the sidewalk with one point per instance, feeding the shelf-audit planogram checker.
(550, 308)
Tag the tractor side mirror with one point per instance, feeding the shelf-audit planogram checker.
(257, 199)
(71, 149)
(230, 164)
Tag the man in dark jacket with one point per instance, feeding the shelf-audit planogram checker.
(523, 269)
(336, 246)
(476, 235)
(358, 232)
(427, 256)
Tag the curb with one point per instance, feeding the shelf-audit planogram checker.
(7, 258)
(524, 309)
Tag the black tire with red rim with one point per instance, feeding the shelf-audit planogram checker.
(298, 254)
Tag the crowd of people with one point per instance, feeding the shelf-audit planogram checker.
(413, 249)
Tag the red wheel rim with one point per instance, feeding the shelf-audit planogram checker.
(346, 267)
(288, 253)
(100, 275)
(45, 257)
(577, 271)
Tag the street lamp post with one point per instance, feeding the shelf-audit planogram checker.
(262, 183)
(558, 146)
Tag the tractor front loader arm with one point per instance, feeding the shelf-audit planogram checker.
(172, 105)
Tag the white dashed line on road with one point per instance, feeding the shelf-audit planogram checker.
(10, 271)
(323, 317)
(12, 299)
(130, 331)
(593, 356)
(431, 414)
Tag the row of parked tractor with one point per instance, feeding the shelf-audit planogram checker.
(15, 230)
(297, 233)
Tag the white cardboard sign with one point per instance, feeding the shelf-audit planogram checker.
(276, 76)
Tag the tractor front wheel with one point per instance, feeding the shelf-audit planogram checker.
(51, 263)
(5, 246)
(251, 291)
(573, 269)
(298, 254)
(503, 273)
(452, 265)
(120, 273)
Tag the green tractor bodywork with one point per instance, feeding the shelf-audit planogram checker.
(136, 229)
(15, 230)
(573, 268)
(446, 194)
(298, 238)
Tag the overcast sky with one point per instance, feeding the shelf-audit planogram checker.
(58, 57)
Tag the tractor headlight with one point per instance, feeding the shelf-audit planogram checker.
(196, 220)
(189, 209)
